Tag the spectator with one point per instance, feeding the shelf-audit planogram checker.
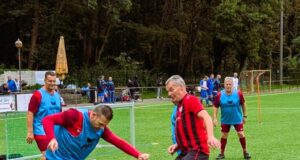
(4, 89)
(235, 81)
(137, 85)
(18, 83)
(11, 84)
(111, 90)
(159, 85)
(130, 85)
(85, 90)
(101, 87)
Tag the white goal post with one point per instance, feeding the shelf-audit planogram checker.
(13, 132)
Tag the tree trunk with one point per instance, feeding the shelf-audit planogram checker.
(159, 46)
(100, 50)
(87, 48)
(34, 34)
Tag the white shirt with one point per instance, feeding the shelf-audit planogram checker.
(235, 83)
(17, 84)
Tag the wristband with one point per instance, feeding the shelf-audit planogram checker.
(245, 116)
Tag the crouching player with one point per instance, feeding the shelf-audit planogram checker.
(77, 132)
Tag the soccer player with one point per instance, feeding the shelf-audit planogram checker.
(77, 132)
(210, 85)
(194, 127)
(203, 91)
(173, 122)
(235, 81)
(45, 101)
(233, 113)
(217, 85)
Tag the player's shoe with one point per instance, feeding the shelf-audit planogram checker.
(220, 157)
(247, 156)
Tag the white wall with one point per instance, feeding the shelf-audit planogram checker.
(31, 77)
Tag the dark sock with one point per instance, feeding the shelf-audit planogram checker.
(243, 144)
(223, 145)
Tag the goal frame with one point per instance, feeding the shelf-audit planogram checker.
(130, 106)
(248, 79)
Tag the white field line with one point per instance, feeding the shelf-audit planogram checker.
(169, 103)
(271, 94)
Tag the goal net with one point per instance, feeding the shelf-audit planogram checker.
(250, 79)
(13, 133)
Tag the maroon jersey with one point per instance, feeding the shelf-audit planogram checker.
(190, 129)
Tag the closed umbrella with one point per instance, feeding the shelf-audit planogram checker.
(61, 67)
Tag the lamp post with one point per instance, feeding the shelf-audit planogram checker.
(19, 45)
(281, 44)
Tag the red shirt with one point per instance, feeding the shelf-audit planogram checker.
(190, 129)
(72, 120)
(35, 101)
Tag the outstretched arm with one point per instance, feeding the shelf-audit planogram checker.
(69, 119)
(110, 137)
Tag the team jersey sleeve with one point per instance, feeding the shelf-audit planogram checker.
(110, 137)
(242, 99)
(35, 102)
(70, 119)
(217, 100)
(193, 104)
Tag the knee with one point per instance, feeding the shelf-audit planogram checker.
(224, 135)
(241, 134)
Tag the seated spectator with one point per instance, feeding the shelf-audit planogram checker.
(85, 90)
(4, 89)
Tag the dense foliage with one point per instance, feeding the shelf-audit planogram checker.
(150, 38)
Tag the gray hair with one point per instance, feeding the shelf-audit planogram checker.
(228, 79)
(177, 80)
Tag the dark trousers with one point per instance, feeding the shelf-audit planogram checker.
(192, 155)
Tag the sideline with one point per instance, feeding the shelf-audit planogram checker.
(270, 94)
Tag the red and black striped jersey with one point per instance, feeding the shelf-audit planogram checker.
(190, 129)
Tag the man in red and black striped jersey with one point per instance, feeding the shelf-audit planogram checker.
(194, 127)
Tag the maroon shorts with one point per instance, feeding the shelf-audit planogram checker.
(42, 142)
(226, 127)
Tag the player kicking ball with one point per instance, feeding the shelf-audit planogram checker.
(75, 133)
